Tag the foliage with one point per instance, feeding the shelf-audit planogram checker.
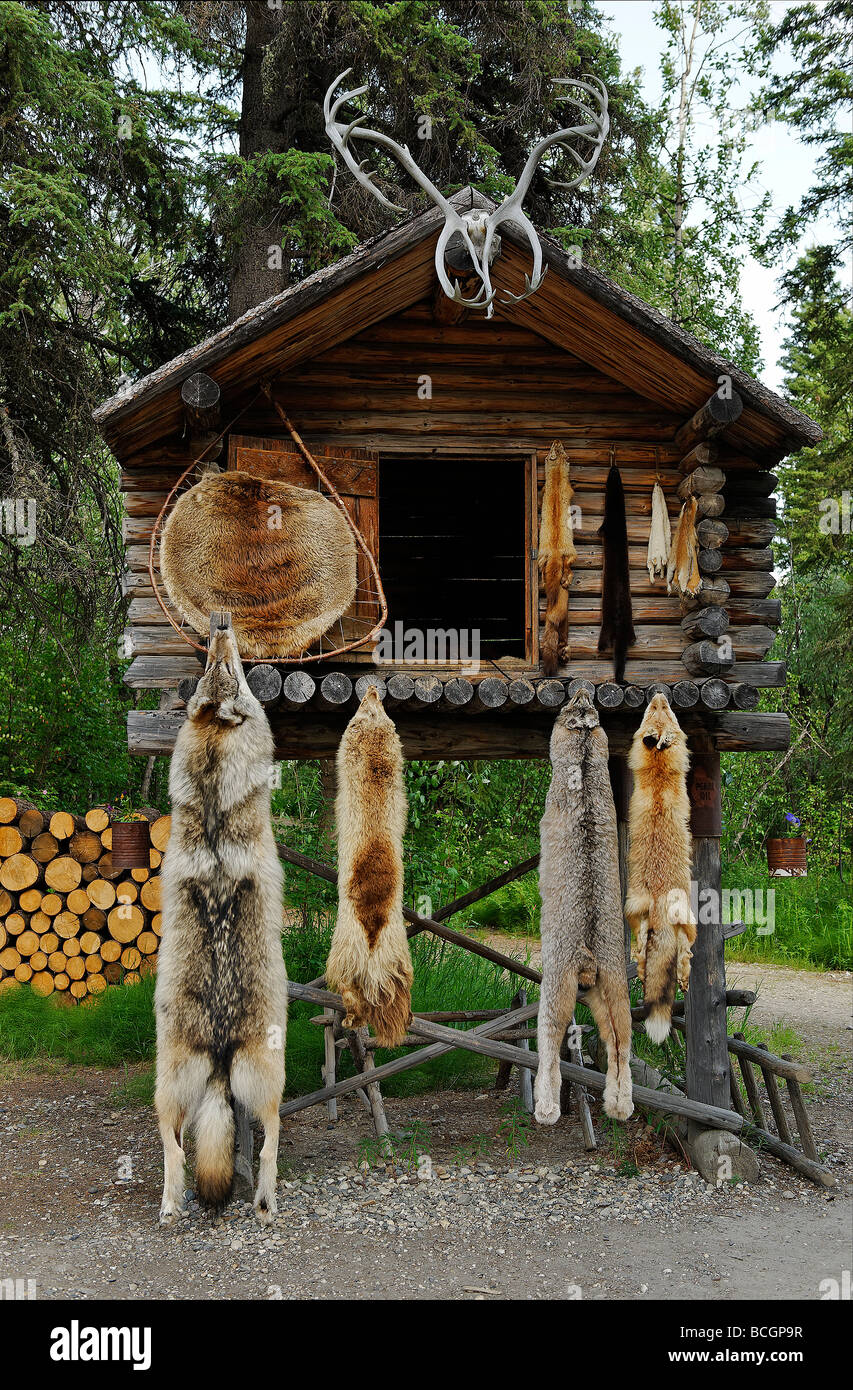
(813, 95)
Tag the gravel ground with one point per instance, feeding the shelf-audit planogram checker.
(498, 1209)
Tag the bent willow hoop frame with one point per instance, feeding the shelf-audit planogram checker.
(368, 590)
(476, 229)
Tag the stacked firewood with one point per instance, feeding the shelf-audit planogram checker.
(70, 921)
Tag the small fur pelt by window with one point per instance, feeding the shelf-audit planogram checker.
(617, 623)
(660, 536)
(659, 851)
(682, 570)
(556, 556)
(369, 962)
(583, 938)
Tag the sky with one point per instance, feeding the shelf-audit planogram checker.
(786, 165)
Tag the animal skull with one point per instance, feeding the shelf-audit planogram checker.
(477, 230)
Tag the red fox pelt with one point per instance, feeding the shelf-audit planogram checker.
(659, 852)
(556, 557)
(221, 995)
(369, 962)
(583, 940)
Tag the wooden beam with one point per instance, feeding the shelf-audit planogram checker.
(440, 735)
(711, 419)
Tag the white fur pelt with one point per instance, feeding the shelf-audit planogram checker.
(660, 536)
(221, 995)
(582, 926)
(659, 853)
(369, 961)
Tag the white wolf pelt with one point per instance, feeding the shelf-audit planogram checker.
(582, 927)
(369, 962)
(221, 997)
(659, 854)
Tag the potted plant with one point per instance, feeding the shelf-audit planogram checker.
(131, 842)
(786, 852)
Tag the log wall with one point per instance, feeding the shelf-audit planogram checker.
(412, 386)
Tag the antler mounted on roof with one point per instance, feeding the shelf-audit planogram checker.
(476, 229)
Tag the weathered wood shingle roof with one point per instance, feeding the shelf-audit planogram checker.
(576, 308)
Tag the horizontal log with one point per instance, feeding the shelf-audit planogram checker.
(714, 693)
(265, 683)
(744, 696)
(705, 622)
(708, 658)
(700, 456)
(710, 504)
(298, 688)
(712, 534)
(716, 415)
(303, 736)
(701, 480)
(743, 530)
(753, 482)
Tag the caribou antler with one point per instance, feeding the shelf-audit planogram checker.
(477, 231)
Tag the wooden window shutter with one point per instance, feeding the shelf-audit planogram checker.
(352, 472)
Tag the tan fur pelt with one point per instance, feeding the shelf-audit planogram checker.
(556, 557)
(582, 927)
(221, 995)
(682, 570)
(280, 559)
(369, 961)
(658, 903)
(660, 536)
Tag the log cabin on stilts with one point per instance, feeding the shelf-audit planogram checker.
(432, 424)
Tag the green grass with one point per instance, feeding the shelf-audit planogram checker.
(513, 909)
(813, 927)
(117, 1028)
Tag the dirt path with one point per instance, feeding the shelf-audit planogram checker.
(497, 1208)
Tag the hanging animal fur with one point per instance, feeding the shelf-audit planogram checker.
(617, 624)
(556, 556)
(659, 852)
(660, 536)
(582, 929)
(682, 570)
(369, 962)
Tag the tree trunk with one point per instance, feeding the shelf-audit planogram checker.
(257, 272)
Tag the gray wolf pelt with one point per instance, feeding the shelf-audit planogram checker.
(221, 996)
(280, 558)
(659, 853)
(556, 556)
(583, 940)
(369, 962)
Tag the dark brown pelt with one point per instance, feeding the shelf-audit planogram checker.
(617, 621)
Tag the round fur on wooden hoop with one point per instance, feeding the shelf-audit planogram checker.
(280, 558)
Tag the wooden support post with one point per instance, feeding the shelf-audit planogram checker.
(620, 781)
(525, 1079)
(330, 1067)
(707, 1063)
(244, 1145)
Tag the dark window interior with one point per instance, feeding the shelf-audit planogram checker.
(451, 547)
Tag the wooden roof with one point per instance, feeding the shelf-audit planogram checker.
(576, 308)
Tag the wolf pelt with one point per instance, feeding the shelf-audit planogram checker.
(659, 852)
(369, 961)
(557, 555)
(221, 996)
(582, 926)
